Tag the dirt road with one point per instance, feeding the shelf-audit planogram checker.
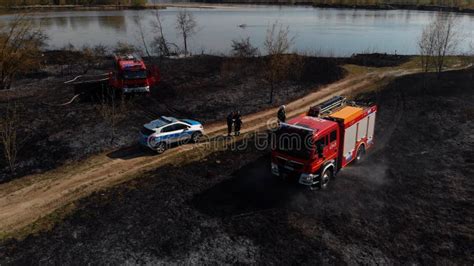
(22, 202)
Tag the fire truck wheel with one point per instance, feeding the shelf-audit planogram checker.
(160, 147)
(360, 153)
(325, 178)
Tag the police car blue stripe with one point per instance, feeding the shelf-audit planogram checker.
(191, 122)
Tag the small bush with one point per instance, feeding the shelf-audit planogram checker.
(243, 48)
(138, 3)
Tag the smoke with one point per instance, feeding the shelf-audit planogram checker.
(353, 193)
(369, 172)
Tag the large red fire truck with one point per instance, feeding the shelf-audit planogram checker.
(313, 147)
(130, 76)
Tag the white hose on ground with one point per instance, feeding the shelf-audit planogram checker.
(66, 103)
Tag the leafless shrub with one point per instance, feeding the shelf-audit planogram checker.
(9, 124)
(20, 44)
(297, 67)
(112, 111)
(90, 57)
(100, 52)
(186, 25)
(125, 48)
(243, 48)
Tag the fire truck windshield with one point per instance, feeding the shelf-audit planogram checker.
(134, 74)
(295, 143)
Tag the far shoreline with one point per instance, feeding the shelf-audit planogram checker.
(231, 4)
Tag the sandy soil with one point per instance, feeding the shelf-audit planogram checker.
(409, 202)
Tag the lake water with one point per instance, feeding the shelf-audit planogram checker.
(337, 32)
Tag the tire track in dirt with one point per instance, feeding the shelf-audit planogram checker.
(24, 201)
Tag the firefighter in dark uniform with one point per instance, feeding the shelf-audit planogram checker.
(282, 114)
(237, 123)
(230, 122)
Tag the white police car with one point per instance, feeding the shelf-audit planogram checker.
(159, 134)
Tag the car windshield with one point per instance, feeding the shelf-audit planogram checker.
(293, 142)
(146, 131)
(186, 121)
(134, 74)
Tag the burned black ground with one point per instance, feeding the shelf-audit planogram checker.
(205, 88)
(410, 201)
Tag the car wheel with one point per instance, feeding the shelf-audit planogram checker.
(360, 153)
(196, 136)
(325, 179)
(160, 147)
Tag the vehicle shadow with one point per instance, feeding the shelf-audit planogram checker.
(251, 189)
(137, 151)
(131, 152)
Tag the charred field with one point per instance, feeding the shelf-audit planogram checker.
(52, 134)
(410, 200)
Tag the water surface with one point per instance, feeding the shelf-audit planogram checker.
(338, 32)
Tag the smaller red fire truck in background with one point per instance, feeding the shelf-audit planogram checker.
(313, 147)
(129, 76)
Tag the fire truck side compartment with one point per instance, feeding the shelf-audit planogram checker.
(371, 127)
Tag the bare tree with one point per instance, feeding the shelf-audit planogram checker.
(470, 58)
(160, 44)
(277, 45)
(186, 25)
(426, 48)
(243, 48)
(446, 39)
(159, 40)
(138, 21)
(9, 124)
(439, 39)
(20, 44)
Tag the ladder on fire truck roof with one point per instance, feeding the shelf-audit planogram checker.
(327, 106)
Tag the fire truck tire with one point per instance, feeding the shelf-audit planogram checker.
(326, 177)
(360, 154)
(160, 147)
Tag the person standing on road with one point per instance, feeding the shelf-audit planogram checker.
(237, 123)
(230, 122)
(282, 114)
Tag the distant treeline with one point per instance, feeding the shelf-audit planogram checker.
(439, 3)
(19, 3)
(385, 4)
(453, 5)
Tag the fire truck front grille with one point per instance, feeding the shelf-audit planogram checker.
(290, 165)
(135, 85)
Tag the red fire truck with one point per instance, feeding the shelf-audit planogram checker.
(130, 76)
(313, 147)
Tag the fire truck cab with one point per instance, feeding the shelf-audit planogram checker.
(131, 75)
(313, 147)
